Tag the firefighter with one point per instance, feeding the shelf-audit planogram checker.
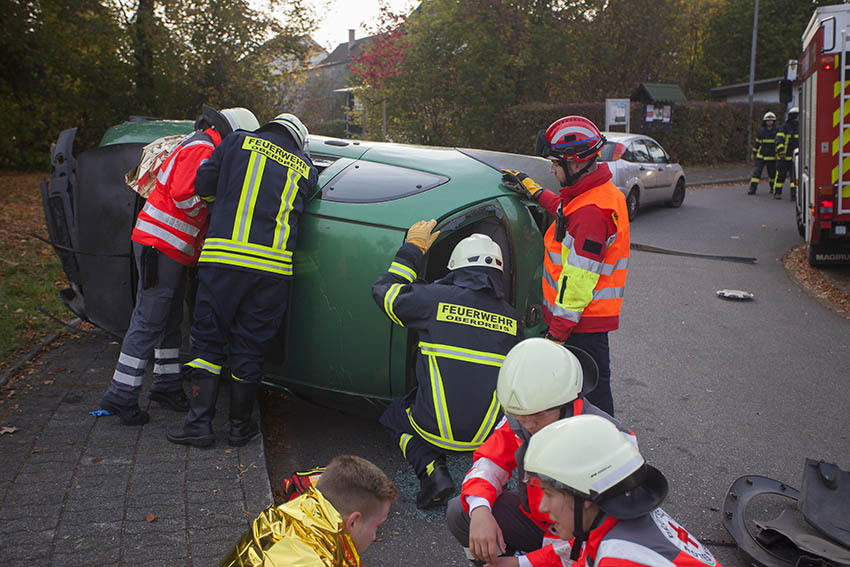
(465, 327)
(587, 247)
(166, 240)
(764, 152)
(331, 524)
(608, 501)
(257, 183)
(539, 383)
(787, 140)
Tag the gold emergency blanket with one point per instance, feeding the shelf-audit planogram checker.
(305, 532)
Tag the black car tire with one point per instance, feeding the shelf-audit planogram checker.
(633, 203)
(678, 194)
(801, 227)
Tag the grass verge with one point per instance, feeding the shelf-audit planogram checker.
(30, 272)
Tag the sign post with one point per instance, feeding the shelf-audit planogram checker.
(617, 113)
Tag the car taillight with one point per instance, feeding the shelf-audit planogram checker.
(825, 208)
(619, 150)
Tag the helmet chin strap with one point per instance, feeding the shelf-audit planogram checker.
(578, 526)
(572, 178)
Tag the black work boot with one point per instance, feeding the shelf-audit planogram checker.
(197, 431)
(242, 427)
(129, 415)
(175, 400)
(435, 485)
(752, 190)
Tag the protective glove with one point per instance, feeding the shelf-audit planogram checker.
(421, 234)
(518, 182)
(549, 337)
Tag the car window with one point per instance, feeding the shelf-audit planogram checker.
(655, 152)
(639, 152)
(370, 182)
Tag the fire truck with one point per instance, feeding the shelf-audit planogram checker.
(823, 159)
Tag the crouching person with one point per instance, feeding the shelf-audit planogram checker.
(330, 525)
(539, 383)
(607, 501)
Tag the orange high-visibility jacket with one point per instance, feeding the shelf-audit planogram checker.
(580, 294)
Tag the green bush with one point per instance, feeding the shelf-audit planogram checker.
(702, 133)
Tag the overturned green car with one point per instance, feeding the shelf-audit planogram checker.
(335, 346)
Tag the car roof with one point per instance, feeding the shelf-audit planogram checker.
(624, 137)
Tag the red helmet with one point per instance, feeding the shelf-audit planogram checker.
(571, 138)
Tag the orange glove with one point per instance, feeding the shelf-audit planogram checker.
(421, 234)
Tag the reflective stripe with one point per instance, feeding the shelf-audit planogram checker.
(489, 420)
(202, 364)
(194, 212)
(165, 236)
(622, 264)
(613, 477)
(554, 258)
(559, 311)
(287, 204)
(200, 143)
(132, 361)
(166, 368)
(576, 260)
(248, 197)
(208, 198)
(448, 444)
(187, 203)
(464, 354)
(548, 277)
(608, 293)
(403, 271)
(129, 379)
(561, 548)
(439, 394)
(488, 471)
(210, 257)
(237, 378)
(164, 174)
(170, 220)
(166, 352)
(389, 299)
(402, 443)
(267, 252)
(633, 553)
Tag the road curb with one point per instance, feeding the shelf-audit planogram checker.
(12, 370)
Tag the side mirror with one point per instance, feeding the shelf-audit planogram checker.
(671, 159)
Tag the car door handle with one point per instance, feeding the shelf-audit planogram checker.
(660, 169)
(642, 168)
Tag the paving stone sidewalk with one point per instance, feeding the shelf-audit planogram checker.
(82, 490)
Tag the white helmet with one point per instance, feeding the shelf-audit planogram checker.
(296, 128)
(768, 116)
(240, 119)
(476, 250)
(588, 456)
(794, 110)
(539, 375)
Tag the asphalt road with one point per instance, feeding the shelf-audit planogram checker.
(714, 388)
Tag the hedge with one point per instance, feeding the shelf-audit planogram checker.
(702, 133)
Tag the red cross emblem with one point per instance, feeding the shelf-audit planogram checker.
(683, 535)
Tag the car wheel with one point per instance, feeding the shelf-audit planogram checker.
(632, 203)
(678, 194)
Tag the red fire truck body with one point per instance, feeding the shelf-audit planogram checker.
(823, 198)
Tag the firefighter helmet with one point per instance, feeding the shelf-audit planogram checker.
(794, 110)
(294, 126)
(539, 375)
(240, 119)
(611, 472)
(476, 250)
(768, 116)
(573, 138)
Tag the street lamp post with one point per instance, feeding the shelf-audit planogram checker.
(752, 78)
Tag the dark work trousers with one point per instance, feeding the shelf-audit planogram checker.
(596, 344)
(771, 173)
(240, 310)
(520, 533)
(785, 167)
(154, 330)
(418, 452)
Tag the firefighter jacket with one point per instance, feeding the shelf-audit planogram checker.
(788, 140)
(584, 275)
(465, 328)
(764, 146)
(174, 219)
(257, 182)
(304, 532)
(652, 540)
(492, 467)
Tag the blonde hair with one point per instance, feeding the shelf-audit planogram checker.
(353, 484)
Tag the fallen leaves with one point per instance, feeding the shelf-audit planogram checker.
(832, 290)
(150, 517)
(9, 430)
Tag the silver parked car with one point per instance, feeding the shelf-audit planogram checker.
(643, 171)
